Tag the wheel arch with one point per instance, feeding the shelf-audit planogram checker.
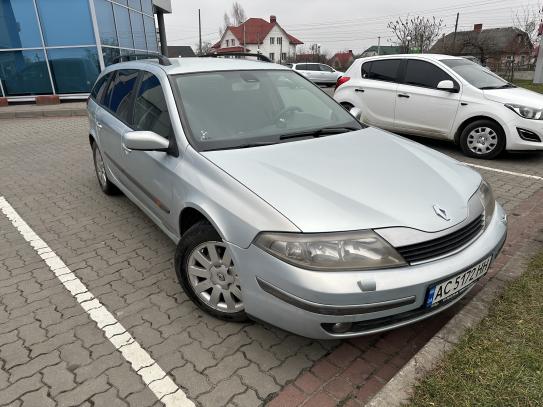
(192, 214)
(473, 119)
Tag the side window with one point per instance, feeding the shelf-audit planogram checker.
(150, 108)
(425, 74)
(385, 70)
(326, 68)
(99, 88)
(312, 67)
(301, 67)
(366, 70)
(122, 90)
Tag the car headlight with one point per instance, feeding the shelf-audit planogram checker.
(331, 251)
(487, 199)
(526, 112)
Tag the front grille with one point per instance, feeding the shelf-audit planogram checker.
(443, 245)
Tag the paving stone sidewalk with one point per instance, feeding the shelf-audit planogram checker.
(46, 174)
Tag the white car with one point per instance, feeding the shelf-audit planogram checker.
(321, 74)
(445, 97)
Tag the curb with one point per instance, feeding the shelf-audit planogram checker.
(525, 239)
(41, 113)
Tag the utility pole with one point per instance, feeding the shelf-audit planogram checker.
(538, 74)
(455, 31)
(199, 33)
(378, 45)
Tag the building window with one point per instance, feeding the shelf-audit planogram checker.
(138, 32)
(19, 25)
(24, 73)
(135, 4)
(147, 6)
(272, 40)
(279, 40)
(272, 56)
(104, 14)
(150, 33)
(74, 70)
(283, 56)
(60, 17)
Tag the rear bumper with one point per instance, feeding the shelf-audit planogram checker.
(309, 302)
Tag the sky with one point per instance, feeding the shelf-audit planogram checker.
(340, 24)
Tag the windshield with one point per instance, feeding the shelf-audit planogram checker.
(476, 75)
(234, 109)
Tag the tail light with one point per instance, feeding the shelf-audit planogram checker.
(341, 80)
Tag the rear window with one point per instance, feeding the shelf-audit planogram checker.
(385, 70)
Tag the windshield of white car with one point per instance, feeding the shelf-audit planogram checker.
(237, 109)
(476, 75)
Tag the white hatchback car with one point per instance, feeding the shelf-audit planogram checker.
(321, 74)
(446, 97)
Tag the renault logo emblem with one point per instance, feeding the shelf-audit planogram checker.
(442, 213)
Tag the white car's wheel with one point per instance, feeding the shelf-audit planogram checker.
(482, 139)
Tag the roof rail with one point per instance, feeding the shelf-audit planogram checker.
(260, 57)
(162, 60)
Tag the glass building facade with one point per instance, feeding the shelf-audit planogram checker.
(60, 46)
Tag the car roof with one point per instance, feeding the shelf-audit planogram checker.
(433, 57)
(199, 64)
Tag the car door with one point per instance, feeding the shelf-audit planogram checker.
(151, 172)
(113, 120)
(376, 91)
(328, 74)
(421, 108)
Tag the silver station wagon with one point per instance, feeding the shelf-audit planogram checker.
(284, 207)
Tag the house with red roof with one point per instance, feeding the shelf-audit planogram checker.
(342, 60)
(257, 35)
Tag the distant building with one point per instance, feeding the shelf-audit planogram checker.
(494, 47)
(342, 60)
(180, 51)
(382, 50)
(257, 35)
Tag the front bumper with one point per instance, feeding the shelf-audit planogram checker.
(308, 301)
(514, 140)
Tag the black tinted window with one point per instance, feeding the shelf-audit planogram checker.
(99, 90)
(421, 73)
(150, 109)
(122, 89)
(385, 70)
(313, 67)
(366, 69)
(301, 67)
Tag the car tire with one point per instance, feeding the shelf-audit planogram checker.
(483, 139)
(101, 173)
(347, 106)
(206, 272)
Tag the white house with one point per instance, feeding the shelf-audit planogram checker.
(257, 35)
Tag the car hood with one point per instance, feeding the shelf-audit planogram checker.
(517, 96)
(358, 180)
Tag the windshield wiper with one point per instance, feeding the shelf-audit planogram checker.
(248, 145)
(507, 85)
(319, 132)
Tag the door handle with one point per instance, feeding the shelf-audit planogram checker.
(403, 95)
(99, 125)
(359, 90)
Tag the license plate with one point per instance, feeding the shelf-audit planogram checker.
(453, 286)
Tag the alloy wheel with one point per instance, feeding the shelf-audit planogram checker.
(213, 277)
(100, 167)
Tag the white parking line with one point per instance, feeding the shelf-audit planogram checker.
(518, 174)
(153, 376)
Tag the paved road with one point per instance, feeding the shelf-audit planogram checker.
(52, 353)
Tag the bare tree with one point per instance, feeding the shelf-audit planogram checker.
(206, 48)
(236, 17)
(527, 19)
(416, 31)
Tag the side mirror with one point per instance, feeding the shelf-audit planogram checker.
(145, 141)
(447, 85)
(356, 112)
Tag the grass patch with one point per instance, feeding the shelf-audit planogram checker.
(529, 85)
(500, 362)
